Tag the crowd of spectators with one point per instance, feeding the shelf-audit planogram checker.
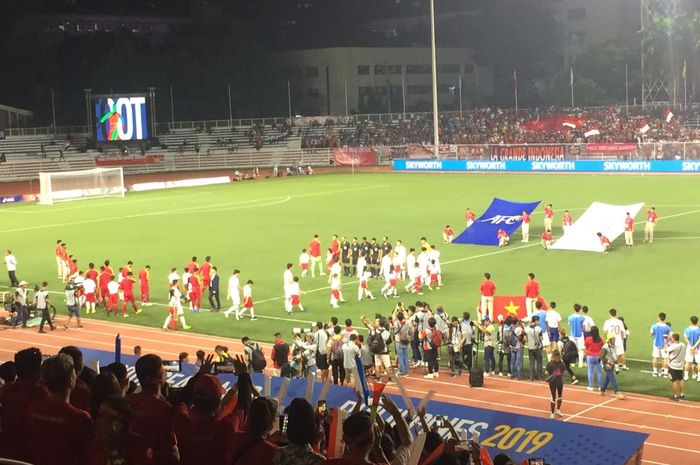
(505, 126)
(54, 410)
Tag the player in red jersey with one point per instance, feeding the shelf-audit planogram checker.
(64, 262)
(488, 289)
(58, 252)
(108, 268)
(532, 293)
(194, 288)
(127, 287)
(315, 253)
(102, 282)
(192, 265)
(205, 269)
(567, 220)
(447, 234)
(91, 273)
(72, 268)
(548, 217)
(604, 243)
(470, 217)
(335, 246)
(629, 230)
(650, 225)
(547, 239)
(525, 227)
(144, 290)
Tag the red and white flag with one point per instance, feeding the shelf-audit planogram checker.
(668, 115)
(644, 127)
(591, 132)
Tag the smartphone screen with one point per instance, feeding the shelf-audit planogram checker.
(172, 366)
(535, 461)
(321, 406)
(284, 419)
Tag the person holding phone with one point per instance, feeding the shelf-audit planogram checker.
(555, 370)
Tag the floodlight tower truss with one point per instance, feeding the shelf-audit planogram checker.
(656, 84)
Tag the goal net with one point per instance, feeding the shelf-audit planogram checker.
(77, 185)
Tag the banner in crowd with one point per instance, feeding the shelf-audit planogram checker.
(501, 214)
(520, 436)
(603, 218)
(145, 160)
(553, 123)
(565, 166)
(611, 148)
(527, 152)
(359, 156)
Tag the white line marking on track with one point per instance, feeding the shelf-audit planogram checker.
(593, 407)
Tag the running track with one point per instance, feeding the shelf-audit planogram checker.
(674, 428)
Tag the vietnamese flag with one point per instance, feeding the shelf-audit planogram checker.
(513, 305)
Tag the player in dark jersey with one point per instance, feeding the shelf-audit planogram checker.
(354, 255)
(386, 246)
(375, 251)
(345, 255)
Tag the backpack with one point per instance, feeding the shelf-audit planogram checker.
(337, 349)
(403, 333)
(257, 359)
(513, 339)
(570, 350)
(376, 343)
(435, 338)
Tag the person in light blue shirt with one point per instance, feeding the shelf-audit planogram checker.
(659, 333)
(543, 324)
(576, 330)
(692, 351)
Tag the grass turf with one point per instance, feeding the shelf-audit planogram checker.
(260, 226)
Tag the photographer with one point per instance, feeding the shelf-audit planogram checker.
(20, 303)
(72, 292)
(456, 339)
(403, 334)
(468, 346)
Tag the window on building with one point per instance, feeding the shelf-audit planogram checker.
(418, 69)
(380, 69)
(577, 38)
(364, 91)
(576, 13)
(448, 69)
(311, 71)
(380, 90)
(418, 90)
(393, 69)
(312, 92)
(363, 70)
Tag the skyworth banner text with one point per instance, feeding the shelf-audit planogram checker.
(564, 166)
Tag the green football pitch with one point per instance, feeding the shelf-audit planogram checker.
(259, 226)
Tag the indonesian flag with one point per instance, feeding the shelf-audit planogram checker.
(569, 125)
(513, 305)
(644, 127)
(591, 132)
(668, 115)
(485, 456)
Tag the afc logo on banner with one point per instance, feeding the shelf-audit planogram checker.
(502, 219)
(121, 119)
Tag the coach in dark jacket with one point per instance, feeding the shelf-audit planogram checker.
(214, 290)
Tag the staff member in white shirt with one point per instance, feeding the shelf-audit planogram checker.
(675, 351)
(21, 299)
(11, 264)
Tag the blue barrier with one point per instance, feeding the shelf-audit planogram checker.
(563, 166)
(520, 436)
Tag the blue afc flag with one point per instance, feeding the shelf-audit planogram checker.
(501, 214)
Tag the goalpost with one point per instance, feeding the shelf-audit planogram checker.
(78, 185)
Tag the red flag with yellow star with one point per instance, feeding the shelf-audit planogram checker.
(507, 305)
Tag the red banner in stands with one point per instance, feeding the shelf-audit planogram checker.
(354, 155)
(147, 160)
(611, 148)
(527, 152)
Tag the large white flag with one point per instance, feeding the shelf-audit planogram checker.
(599, 218)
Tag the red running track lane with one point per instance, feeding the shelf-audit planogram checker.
(673, 428)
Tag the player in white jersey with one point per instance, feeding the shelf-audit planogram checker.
(186, 285)
(386, 264)
(247, 301)
(434, 256)
(234, 293)
(335, 291)
(304, 260)
(89, 287)
(423, 262)
(400, 257)
(175, 307)
(173, 276)
(295, 295)
(614, 325)
(411, 273)
(287, 279)
(361, 265)
(363, 289)
(389, 288)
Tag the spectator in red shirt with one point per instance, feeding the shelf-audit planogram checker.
(251, 447)
(205, 430)
(362, 442)
(594, 346)
(15, 399)
(280, 353)
(59, 433)
(151, 434)
(80, 395)
(532, 293)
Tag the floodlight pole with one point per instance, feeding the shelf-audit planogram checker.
(436, 132)
(53, 110)
(88, 112)
(230, 108)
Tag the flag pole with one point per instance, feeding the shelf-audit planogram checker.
(515, 89)
(230, 108)
(571, 83)
(436, 128)
(289, 100)
(460, 95)
(685, 85)
(627, 92)
(403, 93)
(172, 109)
(346, 97)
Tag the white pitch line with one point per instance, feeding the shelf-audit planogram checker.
(593, 407)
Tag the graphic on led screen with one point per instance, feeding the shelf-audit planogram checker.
(121, 118)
